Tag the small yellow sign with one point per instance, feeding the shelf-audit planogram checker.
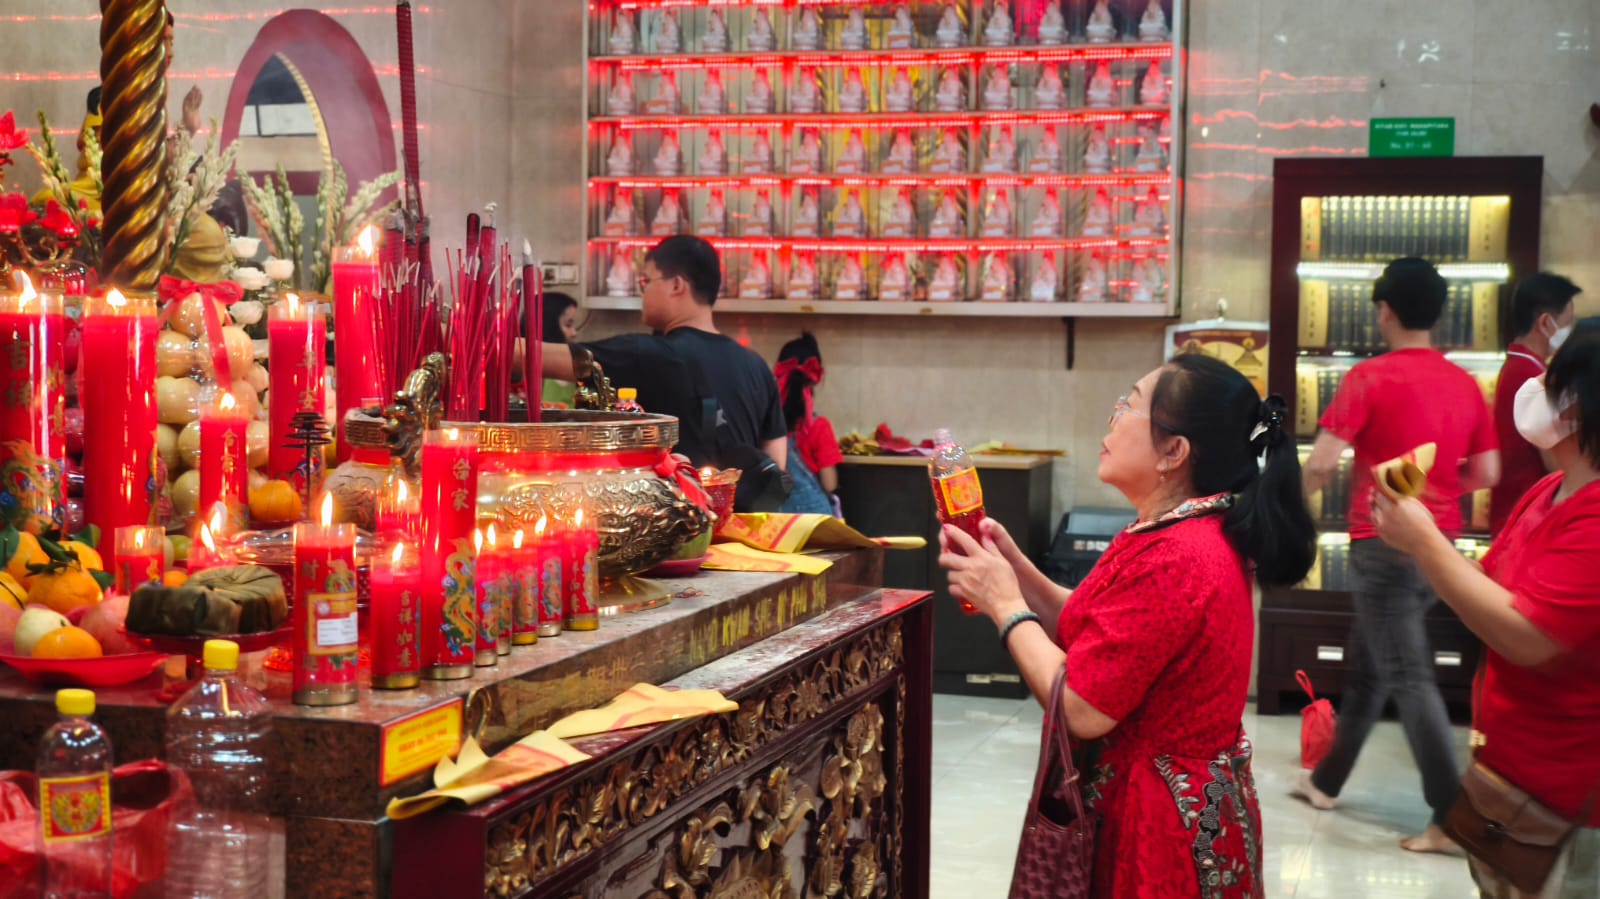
(418, 741)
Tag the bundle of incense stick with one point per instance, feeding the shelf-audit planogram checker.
(406, 321)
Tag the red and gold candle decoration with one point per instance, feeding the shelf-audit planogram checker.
(394, 619)
(139, 555)
(355, 287)
(33, 408)
(224, 459)
(580, 573)
(495, 575)
(547, 564)
(119, 405)
(297, 336)
(525, 604)
(448, 512)
(326, 637)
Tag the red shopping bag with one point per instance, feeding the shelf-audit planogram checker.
(144, 796)
(1316, 725)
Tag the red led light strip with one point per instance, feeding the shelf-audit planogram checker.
(895, 245)
(689, 182)
(887, 58)
(838, 121)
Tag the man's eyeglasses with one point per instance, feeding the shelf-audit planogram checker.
(644, 280)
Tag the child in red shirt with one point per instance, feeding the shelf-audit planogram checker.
(1385, 407)
(811, 438)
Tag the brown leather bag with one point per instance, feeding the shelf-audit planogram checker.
(1505, 829)
(1055, 859)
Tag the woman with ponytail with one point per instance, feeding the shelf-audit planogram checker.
(1157, 639)
(811, 437)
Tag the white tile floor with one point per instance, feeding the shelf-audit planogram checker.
(984, 752)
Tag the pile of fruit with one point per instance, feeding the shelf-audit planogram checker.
(53, 603)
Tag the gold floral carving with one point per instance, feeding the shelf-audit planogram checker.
(579, 818)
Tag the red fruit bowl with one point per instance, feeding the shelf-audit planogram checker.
(195, 645)
(106, 671)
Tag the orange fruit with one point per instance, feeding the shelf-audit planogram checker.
(87, 555)
(12, 593)
(276, 502)
(175, 578)
(68, 643)
(29, 552)
(64, 589)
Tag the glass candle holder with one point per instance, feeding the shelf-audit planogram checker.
(139, 556)
(224, 459)
(355, 289)
(448, 510)
(722, 485)
(580, 574)
(394, 617)
(525, 601)
(297, 336)
(548, 562)
(119, 409)
(33, 406)
(326, 629)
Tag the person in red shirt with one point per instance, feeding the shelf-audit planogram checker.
(1542, 312)
(799, 371)
(1535, 604)
(1385, 407)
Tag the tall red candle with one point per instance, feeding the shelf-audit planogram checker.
(548, 561)
(224, 465)
(326, 633)
(355, 288)
(525, 602)
(297, 337)
(580, 574)
(495, 580)
(394, 618)
(119, 409)
(138, 557)
(33, 406)
(533, 331)
(448, 513)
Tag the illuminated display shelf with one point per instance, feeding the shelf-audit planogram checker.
(968, 309)
(1110, 275)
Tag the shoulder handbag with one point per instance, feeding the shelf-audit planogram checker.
(1055, 859)
(1506, 830)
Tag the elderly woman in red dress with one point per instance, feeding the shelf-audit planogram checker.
(1157, 639)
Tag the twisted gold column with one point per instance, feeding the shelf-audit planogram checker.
(133, 104)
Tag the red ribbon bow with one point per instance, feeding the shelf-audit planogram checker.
(678, 470)
(173, 291)
(811, 368)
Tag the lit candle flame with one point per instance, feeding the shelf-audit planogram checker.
(138, 538)
(538, 529)
(401, 492)
(577, 518)
(206, 541)
(219, 517)
(706, 474)
(114, 298)
(25, 285)
(397, 554)
(227, 403)
(368, 241)
(477, 540)
(516, 539)
(294, 303)
(491, 538)
(327, 510)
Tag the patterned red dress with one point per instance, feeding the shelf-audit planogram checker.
(1158, 636)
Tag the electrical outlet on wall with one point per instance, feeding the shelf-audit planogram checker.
(567, 273)
(550, 272)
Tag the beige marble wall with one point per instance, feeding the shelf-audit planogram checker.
(463, 52)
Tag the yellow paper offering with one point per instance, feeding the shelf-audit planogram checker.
(474, 776)
(643, 704)
(783, 533)
(738, 557)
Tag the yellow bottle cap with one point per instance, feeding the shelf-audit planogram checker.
(75, 702)
(627, 393)
(221, 655)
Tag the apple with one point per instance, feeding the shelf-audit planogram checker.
(73, 428)
(34, 624)
(180, 548)
(9, 617)
(74, 342)
(105, 622)
(77, 518)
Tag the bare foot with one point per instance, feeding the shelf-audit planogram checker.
(1305, 789)
(1432, 840)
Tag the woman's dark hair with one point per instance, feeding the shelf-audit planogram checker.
(1536, 294)
(1576, 370)
(1229, 427)
(794, 397)
(555, 306)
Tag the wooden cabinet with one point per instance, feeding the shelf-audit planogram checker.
(885, 495)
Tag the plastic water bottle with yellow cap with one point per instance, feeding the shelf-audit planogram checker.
(74, 839)
(218, 733)
(628, 400)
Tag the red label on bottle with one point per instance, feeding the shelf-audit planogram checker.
(961, 492)
(75, 808)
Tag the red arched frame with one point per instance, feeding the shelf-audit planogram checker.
(340, 76)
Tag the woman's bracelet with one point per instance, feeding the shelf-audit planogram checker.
(1012, 622)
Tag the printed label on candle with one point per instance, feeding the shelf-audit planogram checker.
(550, 590)
(460, 613)
(333, 623)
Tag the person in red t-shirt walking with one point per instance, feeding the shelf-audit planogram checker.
(1542, 312)
(1385, 407)
(1536, 606)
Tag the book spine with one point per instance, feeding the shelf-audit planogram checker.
(1463, 244)
(1338, 319)
(1364, 226)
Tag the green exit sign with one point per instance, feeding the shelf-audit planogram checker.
(1411, 137)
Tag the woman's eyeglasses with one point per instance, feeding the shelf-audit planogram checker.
(1122, 406)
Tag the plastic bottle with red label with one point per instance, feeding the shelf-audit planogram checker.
(74, 838)
(957, 494)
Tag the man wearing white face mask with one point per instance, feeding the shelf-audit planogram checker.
(1541, 316)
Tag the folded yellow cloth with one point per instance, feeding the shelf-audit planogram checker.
(784, 533)
(643, 704)
(738, 557)
(473, 776)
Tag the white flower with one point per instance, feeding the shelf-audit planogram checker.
(247, 312)
(244, 247)
(279, 269)
(250, 278)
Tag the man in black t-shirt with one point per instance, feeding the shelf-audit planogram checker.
(685, 361)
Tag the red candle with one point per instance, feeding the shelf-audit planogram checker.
(394, 618)
(119, 405)
(525, 602)
(355, 286)
(580, 574)
(297, 336)
(326, 636)
(205, 552)
(224, 465)
(533, 331)
(33, 406)
(547, 564)
(495, 577)
(448, 512)
(138, 557)
(397, 504)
